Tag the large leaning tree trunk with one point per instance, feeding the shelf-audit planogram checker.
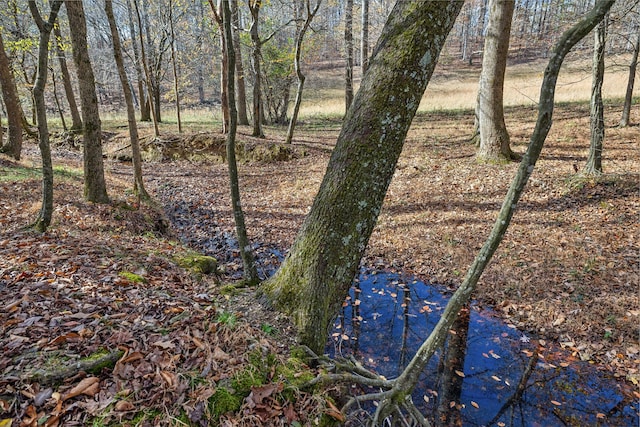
(13, 147)
(494, 138)
(398, 395)
(301, 77)
(95, 187)
(248, 260)
(44, 28)
(596, 106)
(138, 183)
(316, 275)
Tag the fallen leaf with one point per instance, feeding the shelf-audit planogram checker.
(89, 386)
(334, 412)
(258, 394)
(169, 377)
(219, 354)
(555, 402)
(6, 422)
(136, 355)
(289, 414)
(459, 373)
(123, 406)
(164, 344)
(475, 405)
(53, 421)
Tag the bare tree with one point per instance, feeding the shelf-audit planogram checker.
(626, 109)
(56, 98)
(494, 137)
(44, 27)
(248, 260)
(596, 115)
(241, 91)
(76, 121)
(224, 96)
(145, 67)
(348, 47)
(364, 41)
(13, 147)
(138, 183)
(174, 66)
(254, 8)
(145, 106)
(95, 187)
(301, 77)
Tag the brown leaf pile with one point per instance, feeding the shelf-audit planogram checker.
(66, 301)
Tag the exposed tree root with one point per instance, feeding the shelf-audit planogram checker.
(392, 406)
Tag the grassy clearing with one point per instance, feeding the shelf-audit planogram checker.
(23, 173)
(453, 86)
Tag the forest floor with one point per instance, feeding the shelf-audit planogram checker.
(116, 276)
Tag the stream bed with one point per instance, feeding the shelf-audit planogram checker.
(488, 373)
(491, 374)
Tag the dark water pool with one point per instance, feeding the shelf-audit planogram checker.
(488, 374)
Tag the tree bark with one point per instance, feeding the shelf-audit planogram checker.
(596, 114)
(248, 260)
(76, 121)
(301, 77)
(138, 183)
(57, 100)
(364, 42)
(258, 113)
(626, 109)
(452, 360)
(13, 147)
(145, 108)
(174, 66)
(348, 48)
(44, 27)
(494, 137)
(152, 59)
(224, 96)
(95, 188)
(147, 75)
(316, 275)
(241, 91)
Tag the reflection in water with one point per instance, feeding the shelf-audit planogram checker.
(487, 374)
(451, 372)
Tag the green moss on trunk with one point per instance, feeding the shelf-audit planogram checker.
(316, 276)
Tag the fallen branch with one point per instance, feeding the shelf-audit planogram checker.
(48, 376)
